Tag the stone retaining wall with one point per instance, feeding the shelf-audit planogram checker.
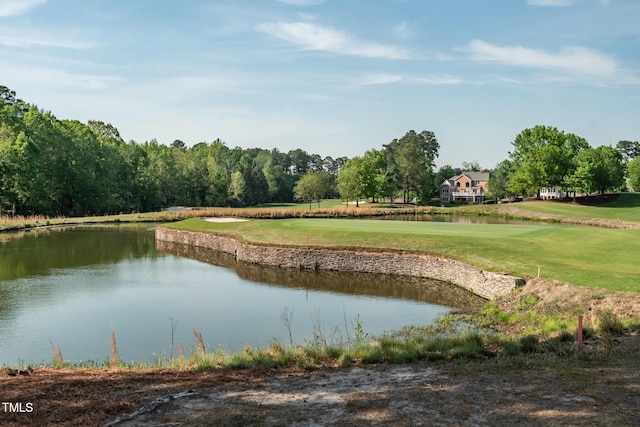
(483, 283)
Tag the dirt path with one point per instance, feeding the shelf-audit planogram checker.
(586, 392)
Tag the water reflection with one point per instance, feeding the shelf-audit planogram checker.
(376, 285)
(461, 219)
(72, 285)
(40, 251)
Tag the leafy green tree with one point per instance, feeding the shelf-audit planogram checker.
(84, 193)
(543, 157)
(373, 174)
(313, 185)
(14, 191)
(278, 182)
(237, 187)
(445, 172)
(64, 167)
(633, 173)
(300, 161)
(629, 149)
(410, 162)
(583, 178)
(497, 187)
(194, 166)
(349, 181)
(596, 169)
(611, 169)
(472, 166)
(180, 145)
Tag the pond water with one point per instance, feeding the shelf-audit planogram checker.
(70, 287)
(460, 219)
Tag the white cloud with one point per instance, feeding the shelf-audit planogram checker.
(326, 39)
(438, 80)
(45, 78)
(575, 62)
(301, 2)
(405, 29)
(378, 79)
(18, 7)
(383, 78)
(42, 41)
(550, 2)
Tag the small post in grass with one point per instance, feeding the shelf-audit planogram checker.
(538, 272)
(580, 332)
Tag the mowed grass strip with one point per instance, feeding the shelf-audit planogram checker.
(625, 208)
(585, 256)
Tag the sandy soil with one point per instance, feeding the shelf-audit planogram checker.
(221, 219)
(589, 393)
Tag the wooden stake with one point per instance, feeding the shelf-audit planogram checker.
(580, 332)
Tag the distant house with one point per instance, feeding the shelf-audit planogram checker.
(552, 193)
(468, 187)
(558, 193)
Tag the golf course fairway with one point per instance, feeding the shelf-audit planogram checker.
(584, 256)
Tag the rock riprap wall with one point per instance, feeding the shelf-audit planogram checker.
(486, 284)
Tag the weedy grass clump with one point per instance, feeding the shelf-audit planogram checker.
(609, 325)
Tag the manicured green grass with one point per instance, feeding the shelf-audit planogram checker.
(585, 256)
(324, 204)
(626, 208)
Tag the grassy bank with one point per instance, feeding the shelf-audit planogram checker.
(625, 207)
(584, 256)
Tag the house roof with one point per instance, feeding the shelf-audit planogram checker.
(474, 176)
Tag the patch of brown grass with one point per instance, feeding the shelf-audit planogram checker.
(576, 300)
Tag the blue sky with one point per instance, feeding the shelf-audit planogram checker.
(334, 77)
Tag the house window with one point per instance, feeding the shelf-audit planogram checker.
(458, 184)
(466, 184)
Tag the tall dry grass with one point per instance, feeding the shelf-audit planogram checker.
(28, 222)
(58, 360)
(279, 213)
(115, 360)
(198, 336)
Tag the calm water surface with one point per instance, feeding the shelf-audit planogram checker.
(70, 287)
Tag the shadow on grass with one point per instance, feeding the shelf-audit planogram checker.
(624, 200)
(609, 200)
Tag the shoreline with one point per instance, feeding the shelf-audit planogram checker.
(485, 284)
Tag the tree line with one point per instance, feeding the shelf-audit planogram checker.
(68, 168)
(545, 157)
(65, 167)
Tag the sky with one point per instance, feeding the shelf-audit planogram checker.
(333, 77)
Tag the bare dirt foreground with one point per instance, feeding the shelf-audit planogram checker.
(400, 395)
(532, 391)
